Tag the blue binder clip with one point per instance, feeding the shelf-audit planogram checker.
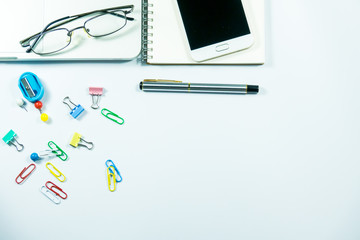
(31, 87)
(76, 110)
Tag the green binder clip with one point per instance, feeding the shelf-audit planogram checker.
(10, 139)
(63, 156)
(112, 116)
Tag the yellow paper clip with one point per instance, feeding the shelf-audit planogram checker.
(109, 176)
(61, 177)
(76, 139)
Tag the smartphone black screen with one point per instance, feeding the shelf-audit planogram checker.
(208, 22)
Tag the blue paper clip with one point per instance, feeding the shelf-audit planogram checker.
(76, 110)
(31, 87)
(111, 171)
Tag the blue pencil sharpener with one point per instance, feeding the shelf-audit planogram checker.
(31, 87)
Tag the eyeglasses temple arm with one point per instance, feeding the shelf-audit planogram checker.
(107, 9)
(121, 16)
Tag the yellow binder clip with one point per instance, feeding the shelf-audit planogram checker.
(77, 140)
(61, 177)
(109, 176)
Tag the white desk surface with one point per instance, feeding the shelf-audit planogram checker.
(283, 164)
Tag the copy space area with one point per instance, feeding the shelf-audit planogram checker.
(279, 165)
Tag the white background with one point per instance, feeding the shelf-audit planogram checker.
(283, 164)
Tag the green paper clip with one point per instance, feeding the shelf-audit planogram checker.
(55, 147)
(112, 116)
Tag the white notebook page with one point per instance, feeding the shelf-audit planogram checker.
(169, 44)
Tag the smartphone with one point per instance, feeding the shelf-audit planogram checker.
(215, 27)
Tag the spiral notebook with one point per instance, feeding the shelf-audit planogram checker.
(164, 40)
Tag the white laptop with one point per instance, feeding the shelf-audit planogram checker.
(23, 18)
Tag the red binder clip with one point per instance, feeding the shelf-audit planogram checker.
(53, 187)
(21, 175)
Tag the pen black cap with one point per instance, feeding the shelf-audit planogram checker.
(252, 89)
(141, 85)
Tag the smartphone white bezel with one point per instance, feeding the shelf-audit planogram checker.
(220, 48)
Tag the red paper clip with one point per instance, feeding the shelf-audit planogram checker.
(23, 178)
(51, 188)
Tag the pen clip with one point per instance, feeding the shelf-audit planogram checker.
(160, 80)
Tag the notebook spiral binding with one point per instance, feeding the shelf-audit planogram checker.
(147, 27)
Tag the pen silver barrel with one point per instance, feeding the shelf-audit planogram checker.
(159, 86)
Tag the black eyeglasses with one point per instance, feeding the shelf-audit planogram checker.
(53, 39)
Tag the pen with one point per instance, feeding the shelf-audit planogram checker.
(155, 85)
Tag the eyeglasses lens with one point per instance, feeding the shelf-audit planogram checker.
(51, 41)
(106, 23)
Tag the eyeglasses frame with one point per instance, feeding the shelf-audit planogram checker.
(47, 29)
